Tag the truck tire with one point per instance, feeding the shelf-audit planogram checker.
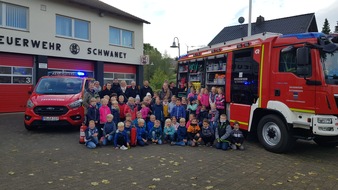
(329, 142)
(273, 134)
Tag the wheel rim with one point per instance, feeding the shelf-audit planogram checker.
(271, 133)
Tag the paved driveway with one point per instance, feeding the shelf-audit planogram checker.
(53, 159)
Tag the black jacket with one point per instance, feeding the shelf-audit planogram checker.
(144, 91)
(130, 92)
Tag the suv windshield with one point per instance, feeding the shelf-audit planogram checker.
(59, 86)
(330, 67)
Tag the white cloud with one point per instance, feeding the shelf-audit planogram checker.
(197, 22)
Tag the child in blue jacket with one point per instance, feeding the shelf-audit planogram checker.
(92, 112)
(169, 131)
(91, 139)
(156, 133)
(182, 134)
(142, 134)
(109, 130)
(121, 137)
(178, 111)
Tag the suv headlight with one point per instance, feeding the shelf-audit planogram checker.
(324, 120)
(76, 104)
(29, 104)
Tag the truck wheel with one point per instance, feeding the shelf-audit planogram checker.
(29, 128)
(330, 142)
(273, 134)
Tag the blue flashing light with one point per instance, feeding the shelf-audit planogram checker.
(80, 74)
(304, 35)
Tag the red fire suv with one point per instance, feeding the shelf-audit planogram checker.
(57, 101)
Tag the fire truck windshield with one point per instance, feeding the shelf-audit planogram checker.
(330, 66)
(59, 86)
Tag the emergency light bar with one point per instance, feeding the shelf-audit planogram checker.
(76, 73)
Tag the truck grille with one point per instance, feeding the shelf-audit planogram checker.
(50, 110)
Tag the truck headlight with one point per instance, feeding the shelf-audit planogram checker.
(324, 120)
(29, 104)
(76, 104)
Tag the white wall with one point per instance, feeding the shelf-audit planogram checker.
(42, 28)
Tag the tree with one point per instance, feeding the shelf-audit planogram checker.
(158, 79)
(326, 27)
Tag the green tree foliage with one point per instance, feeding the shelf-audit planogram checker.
(326, 27)
(161, 67)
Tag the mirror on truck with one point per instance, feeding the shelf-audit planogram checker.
(303, 62)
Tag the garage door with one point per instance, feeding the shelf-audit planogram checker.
(16, 79)
(119, 71)
(70, 65)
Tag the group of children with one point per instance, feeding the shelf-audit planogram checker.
(111, 120)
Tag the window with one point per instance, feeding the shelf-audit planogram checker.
(72, 28)
(109, 77)
(288, 62)
(13, 16)
(16, 75)
(120, 37)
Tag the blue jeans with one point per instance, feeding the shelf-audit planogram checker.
(169, 138)
(153, 136)
(180, 143)
(107, 139)
(222, 145)
(140, 141)
(92, 143)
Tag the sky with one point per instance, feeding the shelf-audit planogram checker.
(196, 22)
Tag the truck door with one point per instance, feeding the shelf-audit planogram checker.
(244, 86)
(290, 84)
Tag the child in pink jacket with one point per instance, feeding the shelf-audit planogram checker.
(104, 111)
(205, 98)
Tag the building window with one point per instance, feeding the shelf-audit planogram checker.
(13, 16)
(120, 37)
(16, 75)
(72, 28)
(109, 77)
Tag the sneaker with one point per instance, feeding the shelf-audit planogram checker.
(172, 143)
(123, 147)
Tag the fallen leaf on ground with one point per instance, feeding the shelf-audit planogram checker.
(119, 160)
(262, 179)
(167, 176)
(259, 163)
(104, 163)
(200, 160)
(279, 183)
(11, 173)
(289, 180)
(176, 164)
(80, 172)
(31, 174)
(163, 159)
(134, 183)
(193, 178)
(175, 171)
(156, 179)
(104, 181)
(129, 168)
(55, 162)
(15, 150)
(97, 162)
(152, 186)
(209, 187)
(94, 183)
(312, 173)
(61, 179)
(296, 177)
(208, 181)
(193, 184)
(57, 149)
(50, 182)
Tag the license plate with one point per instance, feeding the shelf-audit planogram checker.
(50, 118)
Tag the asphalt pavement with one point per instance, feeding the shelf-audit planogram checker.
(53, 159)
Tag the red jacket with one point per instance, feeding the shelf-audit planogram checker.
(133, 111)
(122, 107)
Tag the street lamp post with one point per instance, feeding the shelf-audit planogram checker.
(176, 46)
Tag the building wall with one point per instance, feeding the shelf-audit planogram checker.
(42, 28)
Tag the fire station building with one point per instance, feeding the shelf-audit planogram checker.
(41, 36)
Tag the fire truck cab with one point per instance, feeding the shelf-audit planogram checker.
(282, 87)
(57, 101)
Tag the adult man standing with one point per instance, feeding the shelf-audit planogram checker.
(173, 89)
(116, 87)
(145, 89)
(108, 91)
(132, 91)
(89, 94)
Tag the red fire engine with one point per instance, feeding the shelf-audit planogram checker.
(283, 87)
(57, 101)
